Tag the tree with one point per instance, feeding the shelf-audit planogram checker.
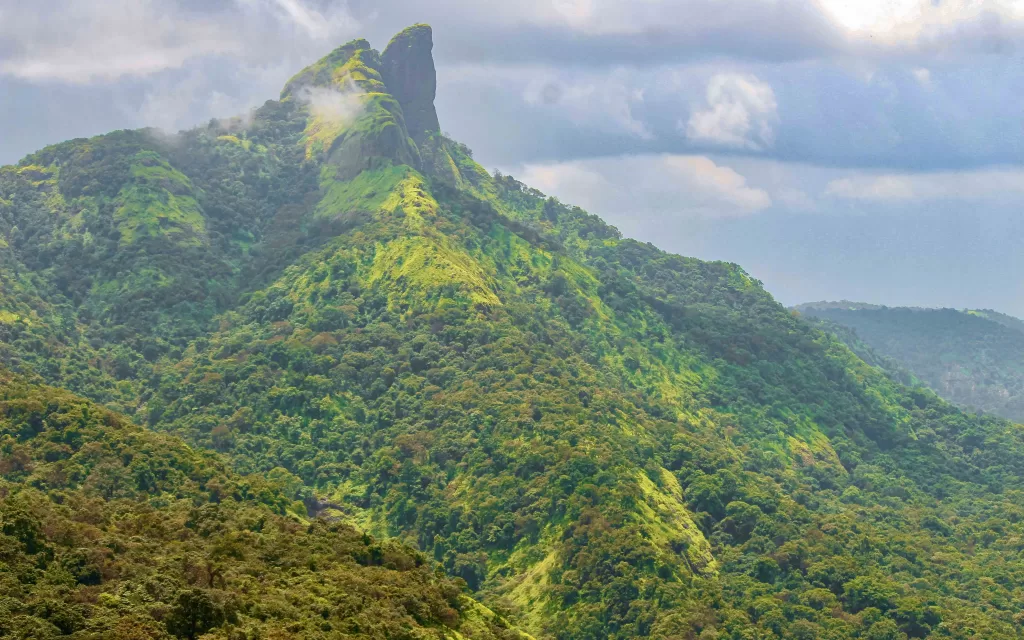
(194, 614)
(869, 591)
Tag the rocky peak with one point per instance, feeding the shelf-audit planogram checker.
(407, 67)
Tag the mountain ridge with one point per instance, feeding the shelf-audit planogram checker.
(971, 357)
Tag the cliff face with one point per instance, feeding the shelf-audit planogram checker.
(408, 71)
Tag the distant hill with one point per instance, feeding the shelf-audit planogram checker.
(1007, 321)
(973, 357)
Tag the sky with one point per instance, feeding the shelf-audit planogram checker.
(868, 150)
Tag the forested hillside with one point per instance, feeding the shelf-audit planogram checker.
(974, 358)
(107, 530)
(602, 440)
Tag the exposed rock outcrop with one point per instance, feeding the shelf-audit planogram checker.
(408, 71)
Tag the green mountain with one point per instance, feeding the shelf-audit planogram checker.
(974, 358)
(600, 439)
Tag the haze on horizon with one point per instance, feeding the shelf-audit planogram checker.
(866, 150)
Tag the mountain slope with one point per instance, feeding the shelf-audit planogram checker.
(107, 530)
(601, 439)
(974, 358)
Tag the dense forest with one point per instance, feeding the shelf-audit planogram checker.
(383, 393)
(973, 357)
(108, 530)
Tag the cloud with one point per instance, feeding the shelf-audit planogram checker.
(76, 43)
(559, 79)
(999, 183)
(317, 24)
(653, 32)
(87, 41)
(334, 106)
(926, 25)
(877, 23)
(180, 99)
(740, 113)
(659, 187)
(96, 40)
(605, 101)
(167, 105)
(617, 18)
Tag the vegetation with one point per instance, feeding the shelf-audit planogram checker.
(107, 530)
(974, 358)
(599, 439)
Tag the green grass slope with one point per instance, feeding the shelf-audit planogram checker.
(974, 358)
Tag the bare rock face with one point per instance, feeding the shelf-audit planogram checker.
(407, 67)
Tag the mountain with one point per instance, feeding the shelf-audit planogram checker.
(598, 438)
(974, 358)
(1001, 318)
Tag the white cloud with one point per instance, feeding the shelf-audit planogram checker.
(334, 106)
(177, 101)
(316, 24)
(891, 21)
(923, 76)
(81, 42)
(660, 187)
(877, 23)
(975, 185)
(740, 113)
(873, 16)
